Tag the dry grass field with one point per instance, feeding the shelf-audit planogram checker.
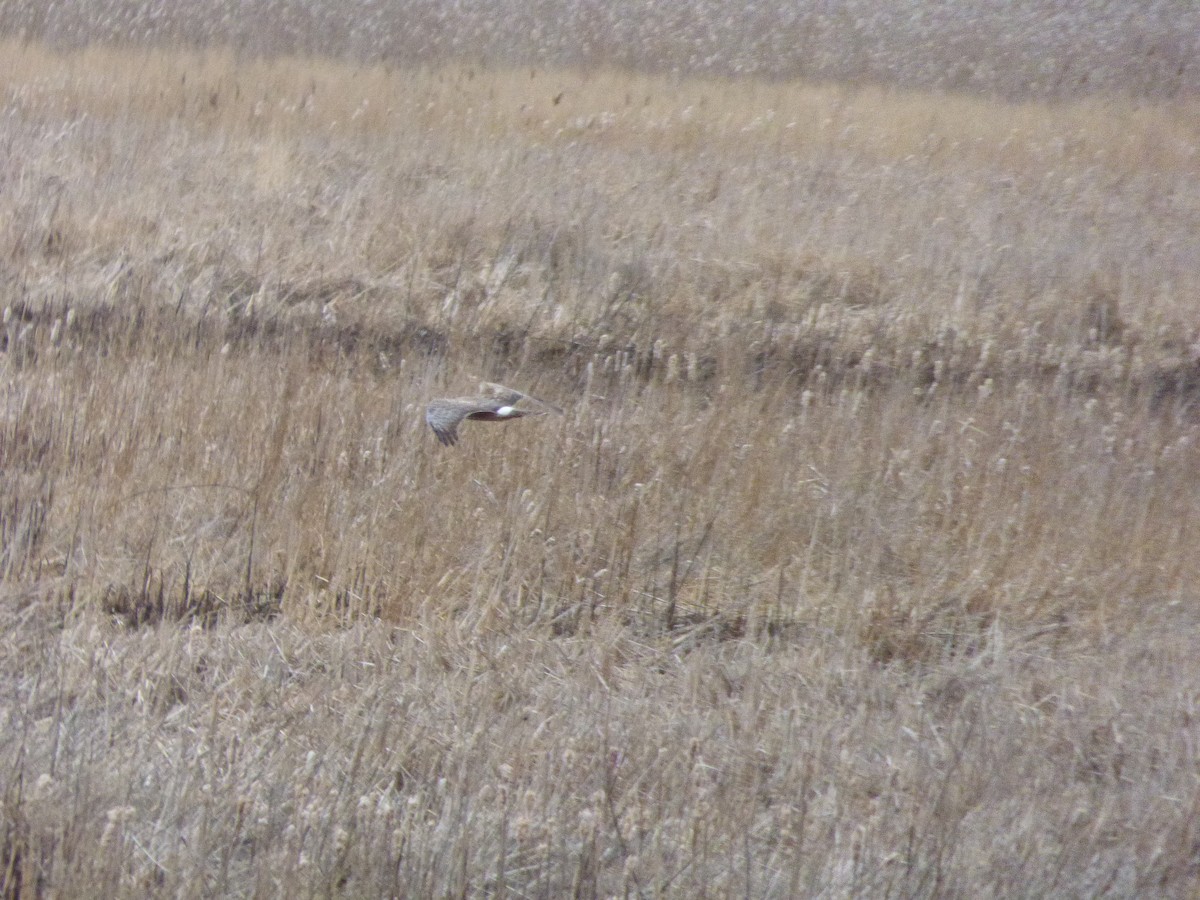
(863, 562)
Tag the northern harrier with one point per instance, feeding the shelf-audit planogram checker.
(495, 403)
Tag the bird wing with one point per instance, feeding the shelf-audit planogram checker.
(510, 395)
(502, 393)
(444, 417)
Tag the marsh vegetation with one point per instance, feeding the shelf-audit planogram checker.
(862, 562)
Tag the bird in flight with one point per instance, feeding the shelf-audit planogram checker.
(494, 403)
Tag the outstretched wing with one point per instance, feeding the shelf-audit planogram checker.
(510, 396)
(501, 393)
(444, 417)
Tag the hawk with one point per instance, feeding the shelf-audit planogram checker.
(495, 403)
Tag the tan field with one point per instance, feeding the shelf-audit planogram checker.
(862, 562)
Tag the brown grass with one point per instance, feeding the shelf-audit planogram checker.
(862, 563)
(1047, 49)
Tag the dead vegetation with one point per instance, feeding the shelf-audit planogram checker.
(861, 564)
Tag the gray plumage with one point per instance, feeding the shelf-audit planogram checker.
(495, 403)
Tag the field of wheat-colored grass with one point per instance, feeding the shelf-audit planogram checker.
(862, 561)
